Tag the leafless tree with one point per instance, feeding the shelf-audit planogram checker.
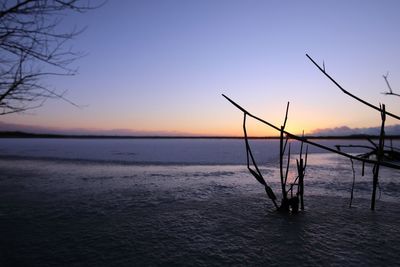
(33, 46)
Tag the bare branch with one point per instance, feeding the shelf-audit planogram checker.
(389, 87)
(33, 47)
(349, 94)
(305, 140)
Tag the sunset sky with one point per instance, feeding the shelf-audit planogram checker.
(161, 66)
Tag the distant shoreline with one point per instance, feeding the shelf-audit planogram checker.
(16, 134)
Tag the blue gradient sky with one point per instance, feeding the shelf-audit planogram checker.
(161, 66)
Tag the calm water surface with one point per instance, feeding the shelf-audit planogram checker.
(184, 202)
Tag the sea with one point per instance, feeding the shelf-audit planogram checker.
(189, 202)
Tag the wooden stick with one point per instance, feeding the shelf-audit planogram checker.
(379, 157)
(257, 173)
(301, 183)
(287, 165)
(282, 148)
(281, 153)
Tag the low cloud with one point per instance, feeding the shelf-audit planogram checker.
(345, 130)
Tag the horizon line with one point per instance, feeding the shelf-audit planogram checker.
(21, 134)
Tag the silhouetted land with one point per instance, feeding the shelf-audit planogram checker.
(17, 134)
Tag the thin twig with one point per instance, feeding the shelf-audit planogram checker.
(348, 93)
(389, 87)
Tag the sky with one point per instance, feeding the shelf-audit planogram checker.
(160, 67)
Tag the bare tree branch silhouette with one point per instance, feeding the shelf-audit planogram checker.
(33, 46)
(389, 87)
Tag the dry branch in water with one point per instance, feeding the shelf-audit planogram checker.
(378, 150)
(305, 140)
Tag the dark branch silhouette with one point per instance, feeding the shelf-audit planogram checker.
(384, 157)
(33, 46)
(293, 202)
(348, 93)
(287, 204)
(305, 140)
(389, 87)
